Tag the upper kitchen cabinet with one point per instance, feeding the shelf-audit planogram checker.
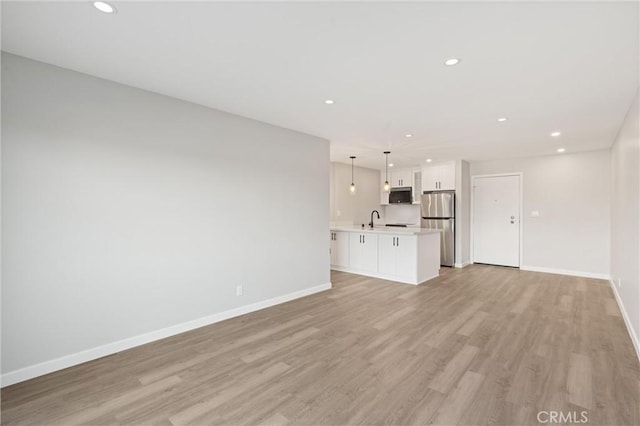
(439, 177)
(401, 178)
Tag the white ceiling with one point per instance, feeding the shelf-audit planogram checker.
(547, 66)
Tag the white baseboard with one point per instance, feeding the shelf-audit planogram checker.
(630, 329)
(462, 265)
(565, 272)
(66, 361)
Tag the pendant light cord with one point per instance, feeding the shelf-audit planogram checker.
(352, 158)
(386, 165)
(351, 170)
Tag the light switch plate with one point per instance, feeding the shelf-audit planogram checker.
(535, 213)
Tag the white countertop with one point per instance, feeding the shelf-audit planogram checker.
(386, 230)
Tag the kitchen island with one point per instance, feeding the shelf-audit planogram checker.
(407, 255)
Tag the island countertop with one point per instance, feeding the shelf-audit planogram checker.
(398, 230)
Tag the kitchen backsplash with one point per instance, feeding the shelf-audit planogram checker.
(407, 213)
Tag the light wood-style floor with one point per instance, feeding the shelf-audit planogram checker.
(481, 345)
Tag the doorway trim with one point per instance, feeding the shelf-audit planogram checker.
(521, 219)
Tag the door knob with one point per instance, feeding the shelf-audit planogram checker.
(513, 221)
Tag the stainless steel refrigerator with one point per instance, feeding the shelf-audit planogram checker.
(438, 211)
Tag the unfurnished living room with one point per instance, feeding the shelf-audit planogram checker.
(320, 213)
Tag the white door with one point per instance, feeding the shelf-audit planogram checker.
(496, 220)
(341, 247)
(338, 250)
(447, 176)
(332, 249)
(369, 252)
(363, 251)
(401, 178)
(355, 250)
(387, 254)
(430, 178)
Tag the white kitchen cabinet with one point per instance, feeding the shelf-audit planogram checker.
(410, 255)
(430, 177)
(339, 248)
(401, 178)
(397, 255)
(387, 263)
(363, 251)
(439, 177)
(448, 176)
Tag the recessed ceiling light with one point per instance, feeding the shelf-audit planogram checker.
(452, 61)
(390, 164)
(561, 150)
(502, 119)
(408, 135)
(104, 7)
(329, 102)
(429, 160)
(555, 134)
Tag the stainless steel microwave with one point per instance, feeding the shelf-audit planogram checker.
(400, 195)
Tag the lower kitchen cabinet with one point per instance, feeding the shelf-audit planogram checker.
(363, 251)
(411, 257)
(339, 248)
(397, 255)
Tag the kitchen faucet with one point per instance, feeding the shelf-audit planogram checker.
(371, 223)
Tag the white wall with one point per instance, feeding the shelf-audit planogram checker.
(348, 209)
(463, 213)
(625, 216)
(571, 192)
(126, 212)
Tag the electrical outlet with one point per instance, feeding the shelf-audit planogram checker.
(239, 290)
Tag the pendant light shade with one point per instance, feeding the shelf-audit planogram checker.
(352, 187)
(387, 187)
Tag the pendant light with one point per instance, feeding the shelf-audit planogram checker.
(386, 171)
(352, 187)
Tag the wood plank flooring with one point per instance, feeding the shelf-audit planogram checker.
(480, 345)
